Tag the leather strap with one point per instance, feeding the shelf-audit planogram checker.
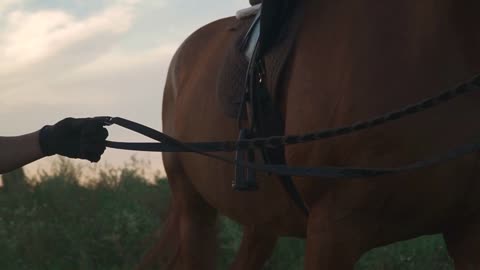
(327, 173)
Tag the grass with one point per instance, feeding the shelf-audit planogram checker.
(55, 222)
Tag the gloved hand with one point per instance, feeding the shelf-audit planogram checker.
(82, 138)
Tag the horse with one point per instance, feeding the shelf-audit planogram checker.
(352, 60)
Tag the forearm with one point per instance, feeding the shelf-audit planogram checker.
(18, 151)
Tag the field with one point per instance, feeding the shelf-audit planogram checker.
(53, 222)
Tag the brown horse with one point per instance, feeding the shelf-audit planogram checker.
(353, 60)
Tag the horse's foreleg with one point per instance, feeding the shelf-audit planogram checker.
(332, 242)
(197, 236)
(165, 243)
(463, 243)
(197, 222)
(188, 238)
(256, 247)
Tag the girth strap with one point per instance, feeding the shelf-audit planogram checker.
(264, 116)
(268, 121)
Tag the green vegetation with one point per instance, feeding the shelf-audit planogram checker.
(54, 222)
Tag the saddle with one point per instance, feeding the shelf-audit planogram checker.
(270, 32)
(247, 86)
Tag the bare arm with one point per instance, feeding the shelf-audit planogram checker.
(18, 151)
(82, 138)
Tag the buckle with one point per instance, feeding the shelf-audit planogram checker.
(245, 179)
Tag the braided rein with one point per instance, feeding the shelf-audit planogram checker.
(278, 141)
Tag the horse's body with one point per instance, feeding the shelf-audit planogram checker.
(353, 60)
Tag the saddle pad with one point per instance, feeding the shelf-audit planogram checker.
(231, 81)
(232, 75)
(248, 12)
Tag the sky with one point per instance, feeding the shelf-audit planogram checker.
(83, 58)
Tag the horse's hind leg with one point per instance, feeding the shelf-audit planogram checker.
(256, 247)
(463, 244)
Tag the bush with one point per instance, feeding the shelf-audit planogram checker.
(107, 223)
(61, 224)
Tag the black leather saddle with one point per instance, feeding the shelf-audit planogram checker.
(255, 63)
(270, 34)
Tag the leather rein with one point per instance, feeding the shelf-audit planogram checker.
(168, 144)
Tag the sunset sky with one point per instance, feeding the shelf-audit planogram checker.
(81, 58)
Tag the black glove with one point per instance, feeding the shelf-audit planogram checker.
(75, 138)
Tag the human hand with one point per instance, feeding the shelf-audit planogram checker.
(82, 138)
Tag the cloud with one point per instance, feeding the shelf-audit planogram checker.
(41, 50)
(113, 79)
(6, 4)
(32, 37)
(117, 61)
(92, 57)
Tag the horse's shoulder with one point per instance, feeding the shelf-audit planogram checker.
(202, 38)
(216, 28)
(198, 45)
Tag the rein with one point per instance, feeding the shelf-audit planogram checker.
(169, 144)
